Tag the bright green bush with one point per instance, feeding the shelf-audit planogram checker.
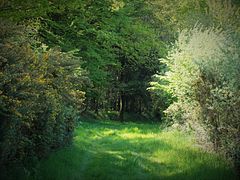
(39, 102)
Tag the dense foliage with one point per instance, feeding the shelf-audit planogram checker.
(119, 48)
(43, 84)
(203, 78)
(39, 101)
(204, 73)
(61, 60)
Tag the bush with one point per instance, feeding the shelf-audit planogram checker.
(39, 102)
(203, 76)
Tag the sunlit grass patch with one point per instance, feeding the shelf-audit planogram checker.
(111, 150)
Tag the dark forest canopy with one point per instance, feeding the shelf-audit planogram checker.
(170, 61)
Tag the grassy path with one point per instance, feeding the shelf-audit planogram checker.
(110, 150)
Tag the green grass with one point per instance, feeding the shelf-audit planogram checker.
(111, 150)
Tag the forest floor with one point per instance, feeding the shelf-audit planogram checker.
(112, 150)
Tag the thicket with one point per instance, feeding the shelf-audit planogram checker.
(65, 57)
(202, 75)
(39, 96)
(107, 52)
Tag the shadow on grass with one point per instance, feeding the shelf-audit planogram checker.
(110, 150)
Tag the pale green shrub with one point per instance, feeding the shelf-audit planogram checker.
(204, 73)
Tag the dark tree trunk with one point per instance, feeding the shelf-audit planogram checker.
(96, 106)
(121, 107)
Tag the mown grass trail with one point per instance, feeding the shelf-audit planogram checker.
(111, 150)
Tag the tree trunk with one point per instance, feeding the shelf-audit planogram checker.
(96, 106)
(121, 107)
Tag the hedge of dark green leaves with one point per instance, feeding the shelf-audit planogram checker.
(38, 101)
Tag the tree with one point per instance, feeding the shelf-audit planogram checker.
(120, 51)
